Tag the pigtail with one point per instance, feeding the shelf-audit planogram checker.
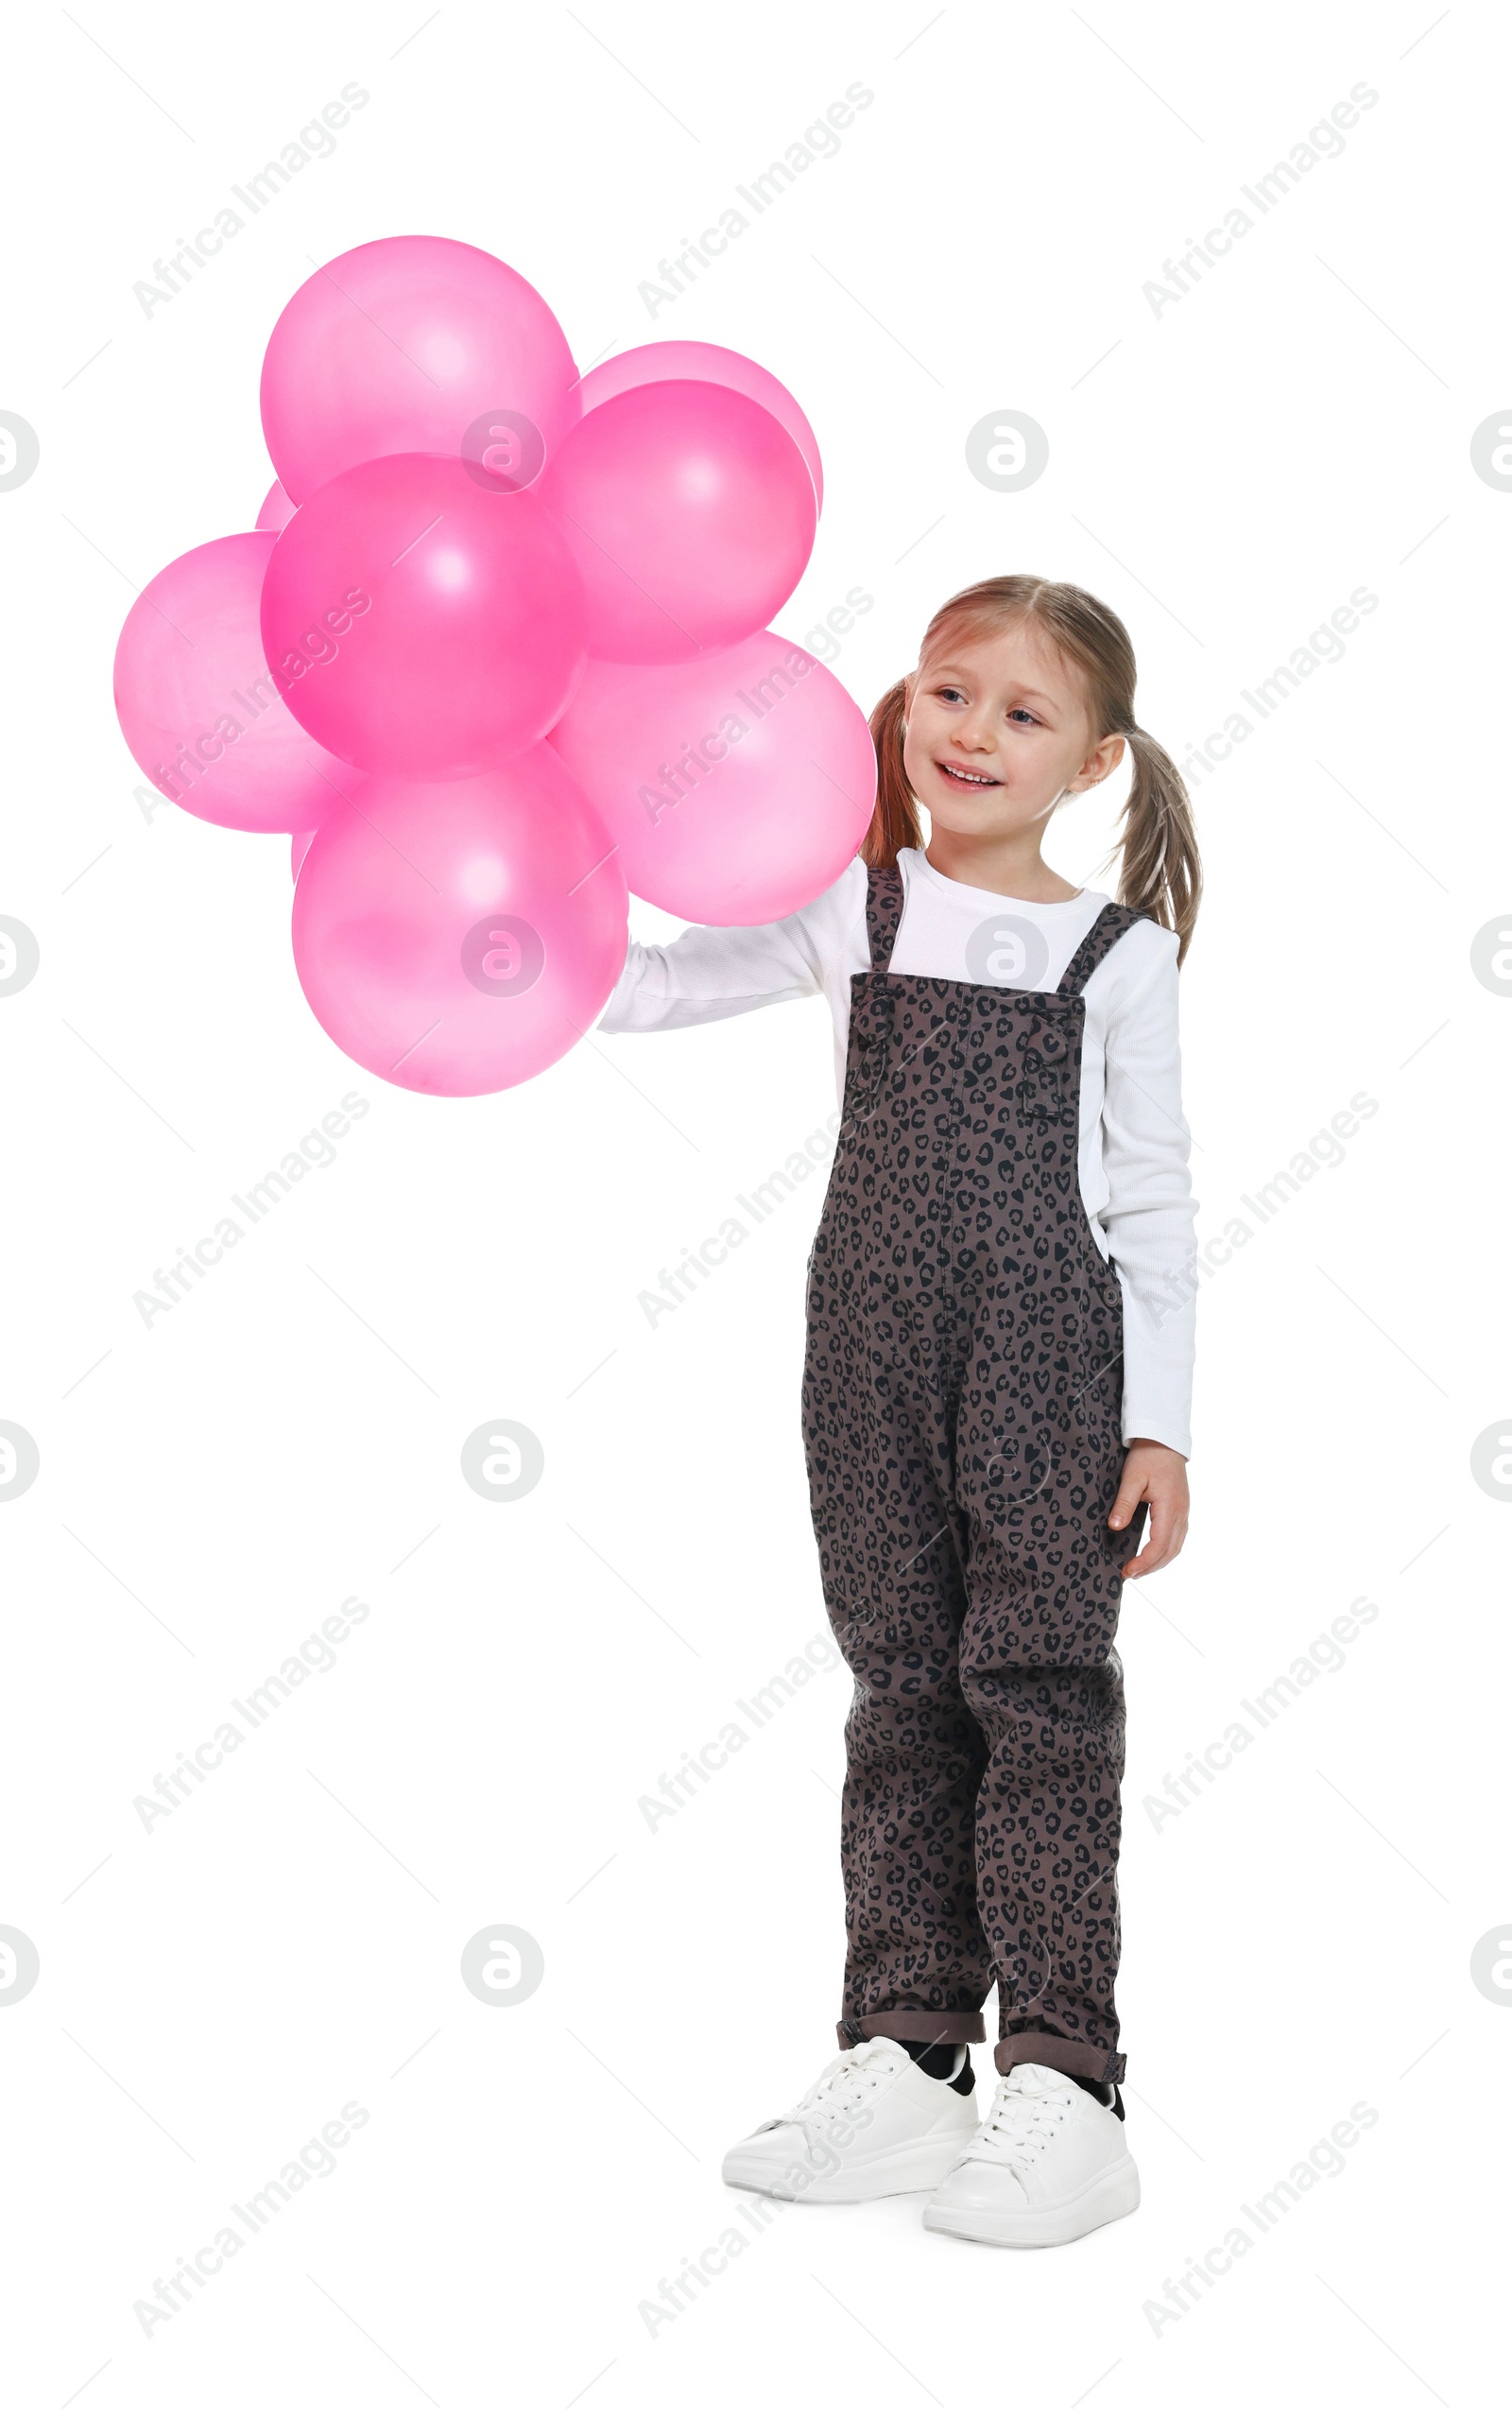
(895, 818)
(1161, 871)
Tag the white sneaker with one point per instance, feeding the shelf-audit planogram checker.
(1049, 2165)
(873, 2123)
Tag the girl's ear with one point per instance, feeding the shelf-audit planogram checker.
(1105, 759)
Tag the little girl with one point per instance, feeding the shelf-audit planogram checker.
(995, 1396)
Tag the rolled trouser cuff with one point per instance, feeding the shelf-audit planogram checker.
(1062, 2056)
(911, 2023)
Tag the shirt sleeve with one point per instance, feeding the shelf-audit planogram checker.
(1150, 1214)
(715, 969)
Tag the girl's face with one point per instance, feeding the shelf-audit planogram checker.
(998, 731)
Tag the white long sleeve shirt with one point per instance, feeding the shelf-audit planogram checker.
(1133, 1139)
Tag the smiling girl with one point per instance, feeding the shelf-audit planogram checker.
(996, 1399)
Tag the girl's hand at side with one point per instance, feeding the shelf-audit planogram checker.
(1153, 1473)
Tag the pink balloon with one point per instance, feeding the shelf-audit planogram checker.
(277, 511)
(420, 624)
(298, 850)
(716, 366)
(200, 709)
(458, 937)
(405, 346)
(738, 787)
(690, 513)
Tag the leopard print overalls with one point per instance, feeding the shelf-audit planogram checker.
(962, 1401)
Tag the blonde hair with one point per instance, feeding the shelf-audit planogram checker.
(1159, 871)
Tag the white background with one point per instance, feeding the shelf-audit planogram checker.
(1299, 1939)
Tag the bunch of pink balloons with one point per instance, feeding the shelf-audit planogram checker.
(495, 654)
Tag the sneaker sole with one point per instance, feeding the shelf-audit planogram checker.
(1102, 2201)
(922, 2168)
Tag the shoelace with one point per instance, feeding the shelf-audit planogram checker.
(846, 2080)
(1022, 2123)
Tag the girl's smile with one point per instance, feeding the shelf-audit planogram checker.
(972, 780)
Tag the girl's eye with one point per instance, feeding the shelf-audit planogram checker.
(951, 694)
(1025, 711)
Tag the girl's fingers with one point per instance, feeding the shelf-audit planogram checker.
(1142, 1562)
(1130, 1494)
(1162, 1545)
(1168, 1518)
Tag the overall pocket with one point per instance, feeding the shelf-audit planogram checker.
(1043, 1093)
(1044, 1100)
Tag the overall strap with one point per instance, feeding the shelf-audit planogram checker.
(1108, 929)
(884, 905)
